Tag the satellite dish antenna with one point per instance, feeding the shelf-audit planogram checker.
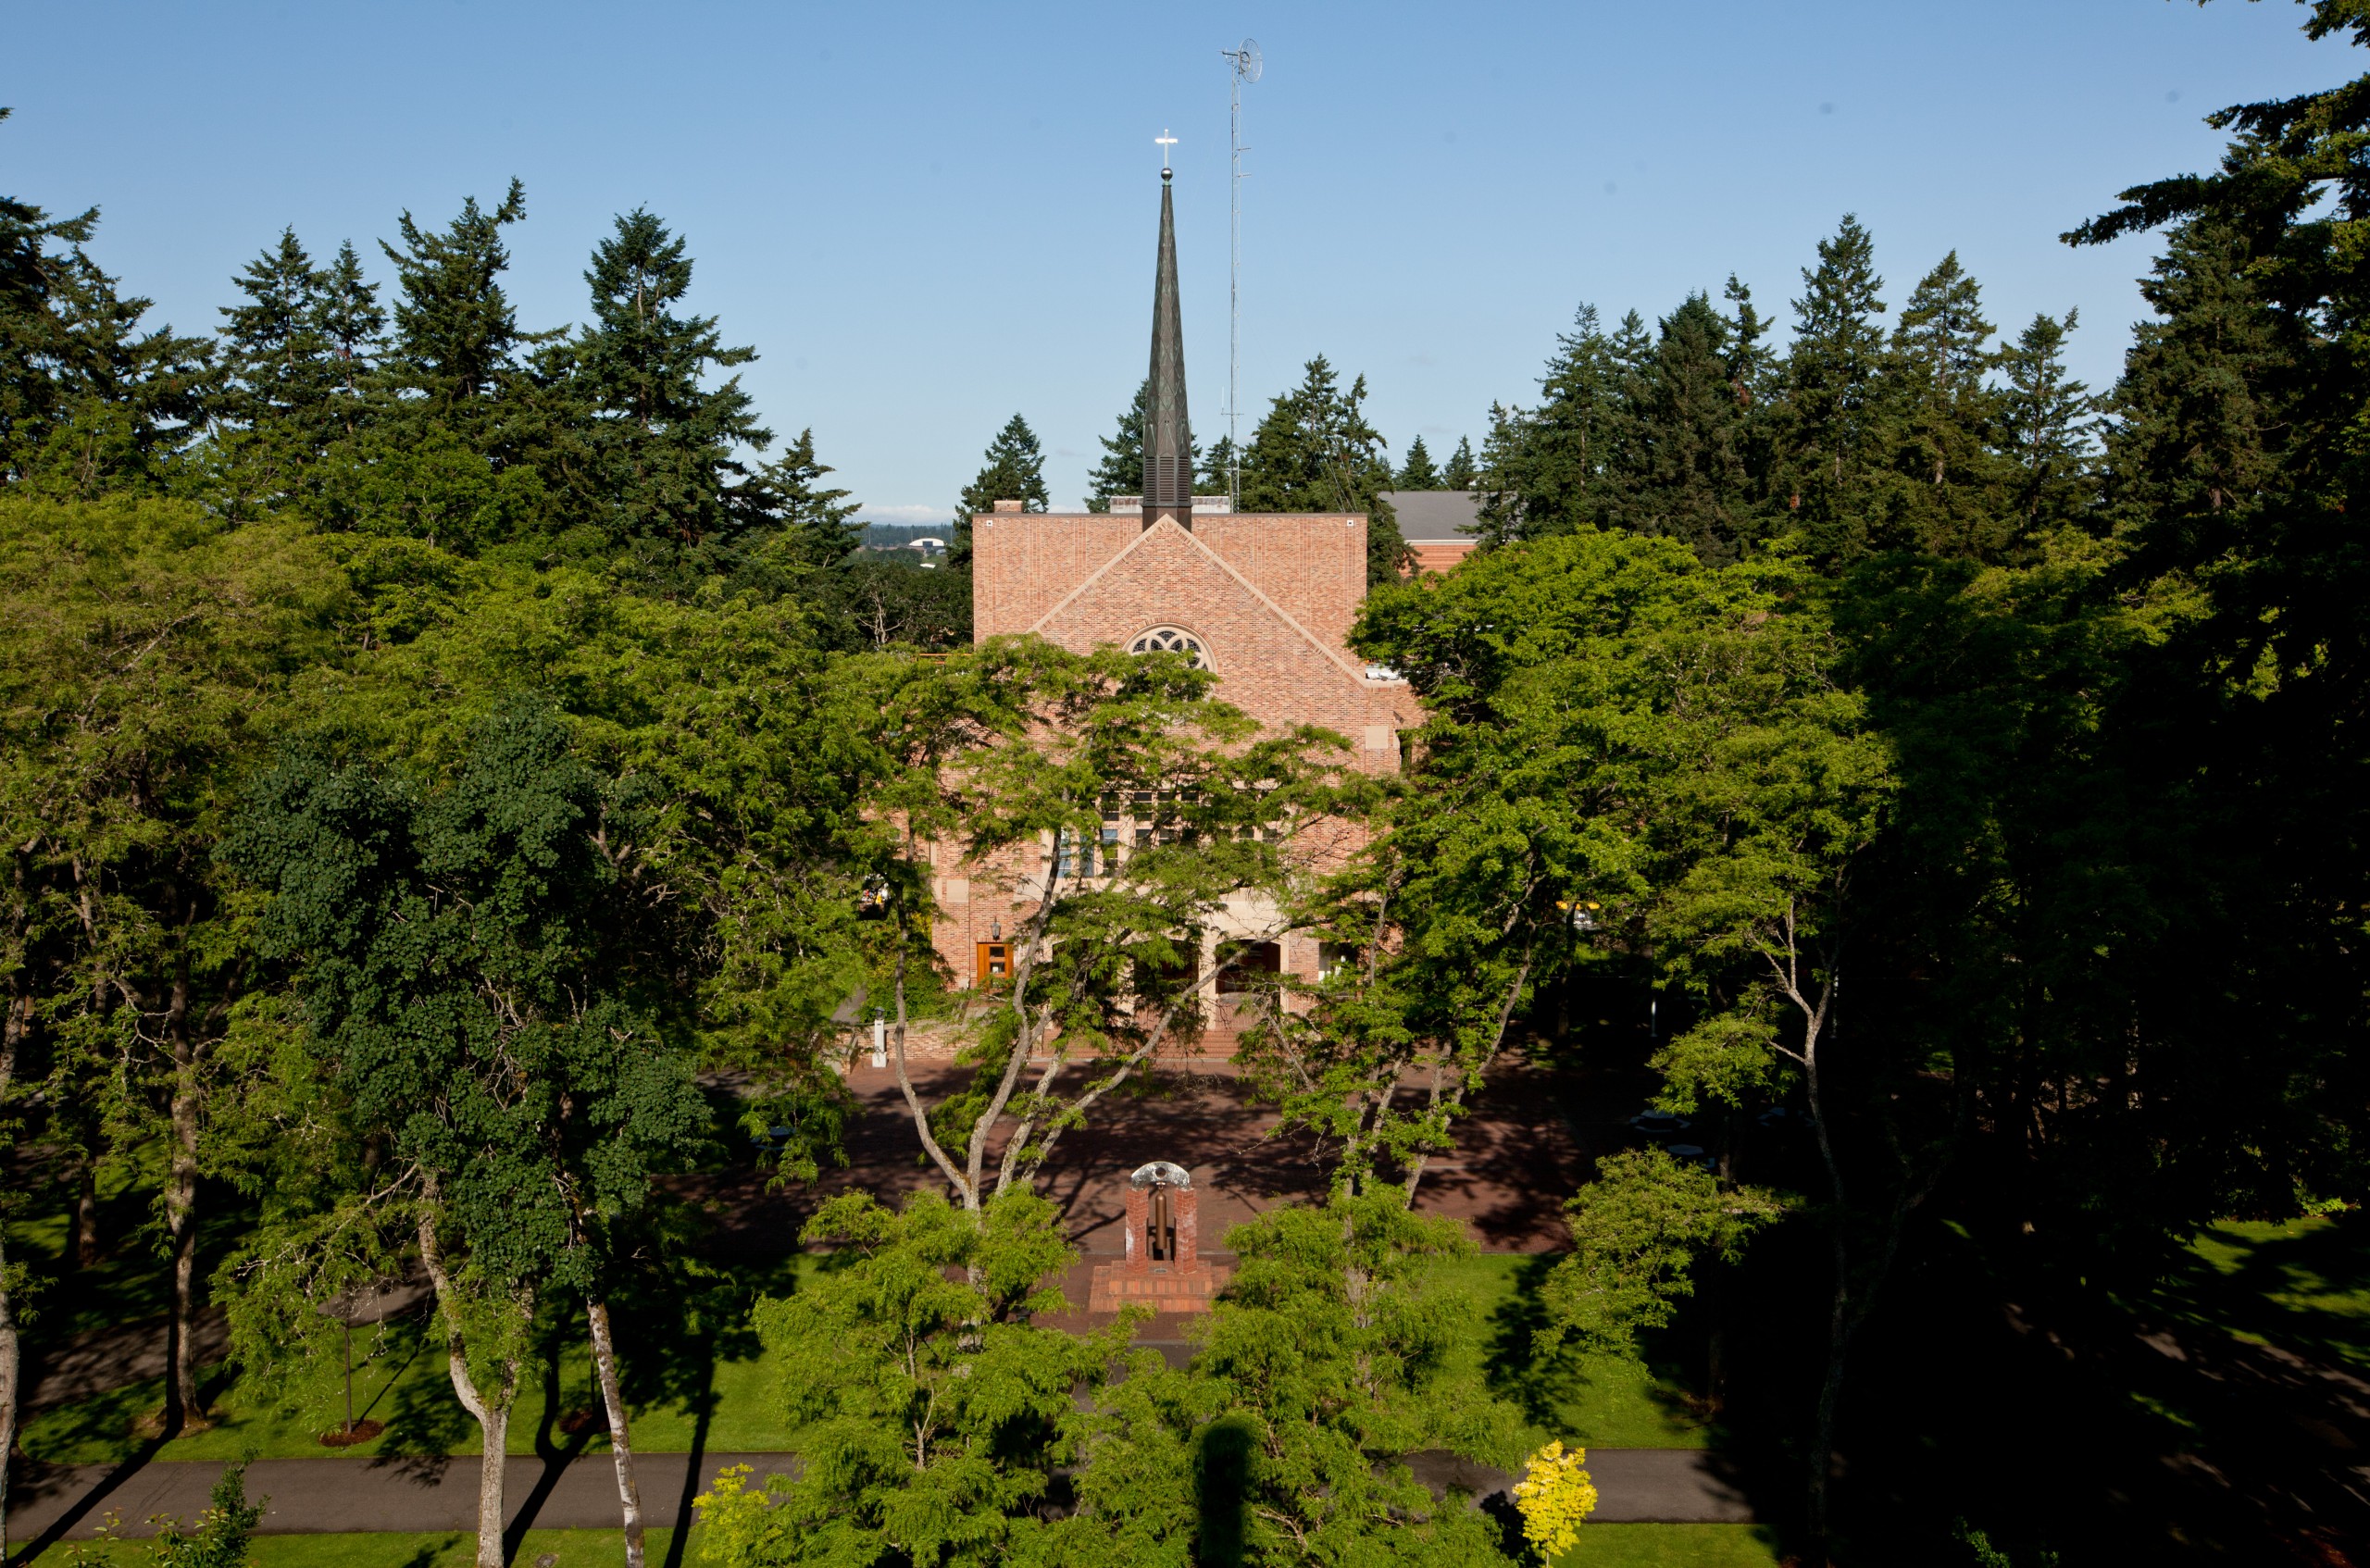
(1246, 63)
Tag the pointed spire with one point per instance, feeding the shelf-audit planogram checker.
(1169, 437)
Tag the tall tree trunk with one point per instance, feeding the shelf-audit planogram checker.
(492, 1415)
(604, 1361)
(905, 1079)
(1831, 1392)
(86, 1217)
(494, 1420)
(1715, 1347)
(181, 1211)
(11, 1032)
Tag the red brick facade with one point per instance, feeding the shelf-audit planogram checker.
(1270, 599)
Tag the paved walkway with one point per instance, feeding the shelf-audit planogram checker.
(331, 1496)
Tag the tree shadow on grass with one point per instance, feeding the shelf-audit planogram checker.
(425, 1421)
(556, 1457)
(2304, 1288)
(1552, 1387)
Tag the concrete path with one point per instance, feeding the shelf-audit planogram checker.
(337, 1496)
(331, 1496)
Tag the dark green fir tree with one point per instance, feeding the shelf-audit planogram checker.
(1689, 457)
(1216, 467)
(1013, 468)
(352, 322)
(278, 360)
(664, 441)
(1314, 452)
(1121, 471)
(1549, 469)
(1416, 472)
(457, 336)
(2048, 431)
(1460, 471)
(1947, 495)
(1834, 370)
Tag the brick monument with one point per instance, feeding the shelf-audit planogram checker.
(1163, 1268)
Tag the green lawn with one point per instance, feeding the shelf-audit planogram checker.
(1666, 1546)
(2303, 1283)
(1603, 1402)
(1598, 1402)
(402, 1383)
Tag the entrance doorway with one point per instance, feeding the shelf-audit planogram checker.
(1251, 963)
(991, 961)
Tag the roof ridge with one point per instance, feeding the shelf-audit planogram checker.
(1095, 575)
(1339, 661)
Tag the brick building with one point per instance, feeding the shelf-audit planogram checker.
(1266, 602)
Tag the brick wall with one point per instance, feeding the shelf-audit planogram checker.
(1271, 599)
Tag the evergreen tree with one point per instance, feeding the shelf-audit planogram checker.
(275, 353)
(1550, 469)
(31, 337)
(350, 319)
(122, 403)
(2048, 424)
(1416, 472)
(1216, 469)
(1946, 497)
(1832, 381)
(456, 334)
(1121, 471)
(1458, 472)
(1752, 367)
(1756, 383)
(663, 443)
(1691, 476)
(88, 401)
(1313, 452)
(2199, 429)
(297, 355)
(818, 520)
(1012, 469)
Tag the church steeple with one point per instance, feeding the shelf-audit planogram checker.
(1169, 437)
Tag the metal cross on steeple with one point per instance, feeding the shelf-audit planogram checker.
(1167, 142)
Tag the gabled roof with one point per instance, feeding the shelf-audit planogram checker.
(1167, 530)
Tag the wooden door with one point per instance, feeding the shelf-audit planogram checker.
(992, 962)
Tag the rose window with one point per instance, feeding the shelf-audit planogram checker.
(1168, 639)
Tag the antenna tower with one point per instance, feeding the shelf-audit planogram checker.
(1243, 67)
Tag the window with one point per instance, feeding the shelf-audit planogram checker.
(1072, 857)
(1168, 639)
(1141, 818)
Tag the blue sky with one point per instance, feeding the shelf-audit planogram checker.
(927, 216)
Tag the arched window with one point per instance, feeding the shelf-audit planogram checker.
(1168, 639)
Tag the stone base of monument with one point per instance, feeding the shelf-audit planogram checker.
(1186, 1290)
